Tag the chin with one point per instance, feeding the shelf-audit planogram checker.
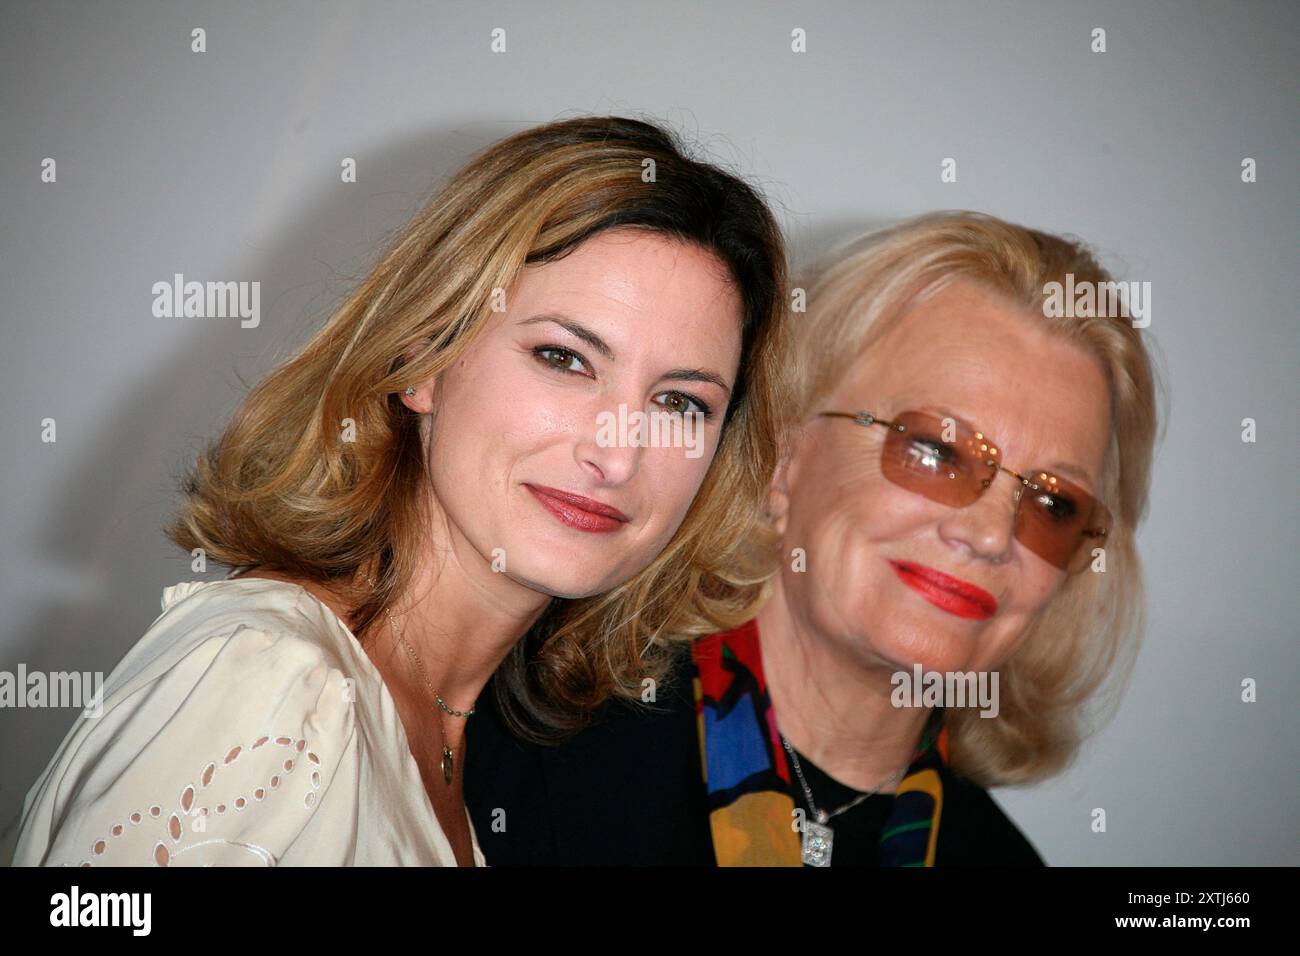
(944, 654)
(558, 582)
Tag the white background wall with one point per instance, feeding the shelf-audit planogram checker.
(225, 165)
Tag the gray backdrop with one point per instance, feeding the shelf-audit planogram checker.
(225, 165)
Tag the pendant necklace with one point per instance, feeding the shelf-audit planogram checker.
(818, 839)
(448, 755)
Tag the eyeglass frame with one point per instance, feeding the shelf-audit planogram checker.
(867, 418)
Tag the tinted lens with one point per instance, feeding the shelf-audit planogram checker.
(1060, 522)
(948, 462)
(941, 459)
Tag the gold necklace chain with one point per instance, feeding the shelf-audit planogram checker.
(415, 658)
(448, 755)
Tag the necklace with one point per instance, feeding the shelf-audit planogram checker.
(448, 755)
(817, 838)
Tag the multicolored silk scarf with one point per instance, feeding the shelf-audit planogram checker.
(751, 802)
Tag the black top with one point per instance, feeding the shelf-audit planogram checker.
(856, 830)
(629, 791)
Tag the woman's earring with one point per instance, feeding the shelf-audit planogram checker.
(410, 390)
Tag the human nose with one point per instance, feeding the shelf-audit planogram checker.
(610, 450)
(987, 525)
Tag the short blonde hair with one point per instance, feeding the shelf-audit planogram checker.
(282, 491)
(1085, 640)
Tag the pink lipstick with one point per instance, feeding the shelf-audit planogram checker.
(577, 512)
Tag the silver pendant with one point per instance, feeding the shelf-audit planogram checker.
(447, 764)
(817, 841)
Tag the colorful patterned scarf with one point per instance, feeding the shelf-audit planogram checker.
(751, 803)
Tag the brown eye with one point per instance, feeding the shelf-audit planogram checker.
(560, 359)
(683, 403)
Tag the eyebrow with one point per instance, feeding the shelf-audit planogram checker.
(580, 331)
(1059, 467)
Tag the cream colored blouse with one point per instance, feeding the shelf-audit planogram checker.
(247, 727)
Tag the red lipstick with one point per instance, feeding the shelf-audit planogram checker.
(575, 511)
(952, 594)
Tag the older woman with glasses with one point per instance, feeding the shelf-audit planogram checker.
(956, 505)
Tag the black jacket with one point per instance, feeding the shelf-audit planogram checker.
(628, 791)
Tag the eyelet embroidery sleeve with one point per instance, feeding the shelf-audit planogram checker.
(220, 759)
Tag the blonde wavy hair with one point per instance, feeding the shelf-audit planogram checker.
(281, 490)
(1081, 647)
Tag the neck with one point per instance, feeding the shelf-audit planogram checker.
(833, 706)
(460, 620)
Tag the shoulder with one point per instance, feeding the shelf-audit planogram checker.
(196, 611)
(975, 831)
(214, 740)
(231, 649)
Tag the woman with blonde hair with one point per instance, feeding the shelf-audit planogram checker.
(424, 491)
(956, 580)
